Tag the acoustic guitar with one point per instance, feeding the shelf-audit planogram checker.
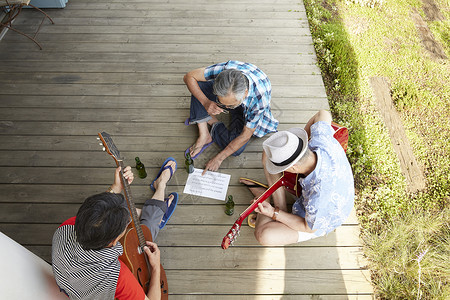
(136, 235)
(288, 180)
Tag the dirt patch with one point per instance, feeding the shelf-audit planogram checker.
(428, 41)
(392, 44)
(432, 11)
(356, 25)
(408, 163)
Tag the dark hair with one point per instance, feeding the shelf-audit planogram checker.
(100, 220)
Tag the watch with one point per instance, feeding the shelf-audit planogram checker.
(275, 213)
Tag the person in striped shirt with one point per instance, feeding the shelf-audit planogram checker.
(86, 248)
(238, 88)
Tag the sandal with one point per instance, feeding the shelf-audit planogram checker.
(170, 210)
(256, 183)
(163, 168)
(201, 151)
(251, 217)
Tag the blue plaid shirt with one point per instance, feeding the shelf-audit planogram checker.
(257, 104)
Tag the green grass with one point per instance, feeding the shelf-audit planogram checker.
(395, 255)
(355, 42)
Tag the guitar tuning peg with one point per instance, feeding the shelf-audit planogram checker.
(101, 144)
(104, 149)
(98, 139)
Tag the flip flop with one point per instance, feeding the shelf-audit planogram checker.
(164, 167)
(250, 217)
(186, 122)
(256, 183)
(170, 210)
(203, 149)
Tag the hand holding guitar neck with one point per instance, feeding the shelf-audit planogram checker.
(117, 186)
(288, 180)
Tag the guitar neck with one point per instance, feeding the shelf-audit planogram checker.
(131, 207)
(230, 237)
(260, 199)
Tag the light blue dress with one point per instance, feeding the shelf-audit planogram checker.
(328, 192)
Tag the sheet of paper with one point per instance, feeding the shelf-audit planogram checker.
(212, 184)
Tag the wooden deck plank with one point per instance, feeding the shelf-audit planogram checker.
(346, 296)
(68, 194)
(159, 62)
(98, 158)
(248, 258)
(92, 128)
(206, 214)
(138, 90)
(139, 144)
(150, 15)
(137, 78)
(198, 1)
(157, 102)
(219, 7)
(67, 175)
(187, 236)
(202, 258)
(106, 18)
(118, 66)
(133, 115)
(269, 282)
(127, 47)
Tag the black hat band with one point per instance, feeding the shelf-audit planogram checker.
(293, 156)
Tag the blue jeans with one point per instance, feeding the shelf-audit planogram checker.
(221, 135)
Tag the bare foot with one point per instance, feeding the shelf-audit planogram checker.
(165, 175)
(201, 141)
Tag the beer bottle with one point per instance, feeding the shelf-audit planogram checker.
(189, 164)
(140, 168)
(229, 205)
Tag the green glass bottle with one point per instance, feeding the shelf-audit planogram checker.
(189, 164)
(140, 168)
(229, 205)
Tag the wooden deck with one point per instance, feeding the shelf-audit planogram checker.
(117, 66)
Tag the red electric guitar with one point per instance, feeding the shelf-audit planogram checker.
(288, 180)
(133, 241)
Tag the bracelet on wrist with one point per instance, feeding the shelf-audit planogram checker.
(275, 213)
(110, 190)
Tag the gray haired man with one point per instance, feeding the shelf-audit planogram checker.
(234, 87)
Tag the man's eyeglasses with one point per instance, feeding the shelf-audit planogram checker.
(227, 107)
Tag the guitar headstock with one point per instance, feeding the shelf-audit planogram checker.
(109, 146)
(231, 236)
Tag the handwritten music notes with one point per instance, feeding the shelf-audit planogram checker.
(212, 184)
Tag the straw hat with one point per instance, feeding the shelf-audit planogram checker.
(284, 149)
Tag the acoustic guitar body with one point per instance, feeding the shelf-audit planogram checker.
(132, 257)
